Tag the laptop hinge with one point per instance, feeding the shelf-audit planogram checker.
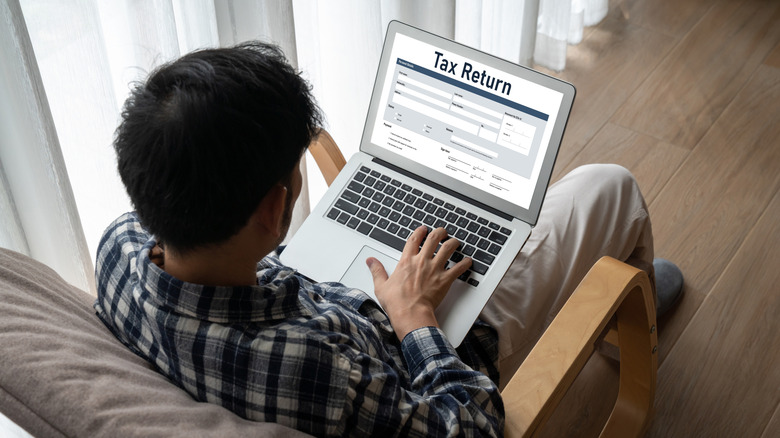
(446, 190)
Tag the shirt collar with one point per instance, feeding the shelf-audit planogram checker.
(276, 299)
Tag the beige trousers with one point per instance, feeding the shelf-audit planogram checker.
(595, 210)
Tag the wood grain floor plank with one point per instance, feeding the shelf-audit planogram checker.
(722, 377)
(652, 161)
(672, 17)
(773, 60)
(773, 428)
(683, 97)
(606, 67)
(706, 209)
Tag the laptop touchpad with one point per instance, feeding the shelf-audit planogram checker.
(358, 275)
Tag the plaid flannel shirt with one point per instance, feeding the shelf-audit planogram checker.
(318, 357)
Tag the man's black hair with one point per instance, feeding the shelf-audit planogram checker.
(203, 140)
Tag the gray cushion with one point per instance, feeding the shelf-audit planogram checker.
(62, 373)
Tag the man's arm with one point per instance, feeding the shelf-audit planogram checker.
(447, 396)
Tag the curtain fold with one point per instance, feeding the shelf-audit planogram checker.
(85, 53)
(38, 186)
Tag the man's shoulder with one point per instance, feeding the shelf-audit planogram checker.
(120, 243)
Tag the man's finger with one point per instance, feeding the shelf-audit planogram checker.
(432, 242)
(412, 246)
(460, 267)
(378, 272)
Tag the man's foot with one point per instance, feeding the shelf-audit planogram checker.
(668, 285)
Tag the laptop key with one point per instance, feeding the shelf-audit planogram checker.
(351, 196)
(356, 186)
(478, 267)
(343, 218)
(506, 231)
(484, 257)
(346, 206)
(498, 238)
(353, 223)
(388, 239)
(333, 213)
(362, 214)
(494, 249)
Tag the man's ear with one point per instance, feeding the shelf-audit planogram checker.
(269, 215)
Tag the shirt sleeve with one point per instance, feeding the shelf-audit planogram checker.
(445, 397)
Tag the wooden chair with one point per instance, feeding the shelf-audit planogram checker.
(613, 303)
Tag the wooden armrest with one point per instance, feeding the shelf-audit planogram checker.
(328, 156)
(610, 288)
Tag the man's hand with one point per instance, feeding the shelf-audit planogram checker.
(420, 280)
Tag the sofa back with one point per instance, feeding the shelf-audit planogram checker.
(62, 373)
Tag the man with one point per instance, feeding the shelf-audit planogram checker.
(209, 149)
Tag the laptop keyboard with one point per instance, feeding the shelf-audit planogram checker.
(388, 211)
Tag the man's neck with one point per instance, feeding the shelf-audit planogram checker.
(211, 268)
(231, 263)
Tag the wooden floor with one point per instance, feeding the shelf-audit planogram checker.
(686, 94)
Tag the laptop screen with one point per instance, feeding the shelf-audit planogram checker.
(465, 119)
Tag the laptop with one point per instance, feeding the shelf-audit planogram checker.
(454, 138)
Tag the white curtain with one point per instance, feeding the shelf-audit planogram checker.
(67, 66)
